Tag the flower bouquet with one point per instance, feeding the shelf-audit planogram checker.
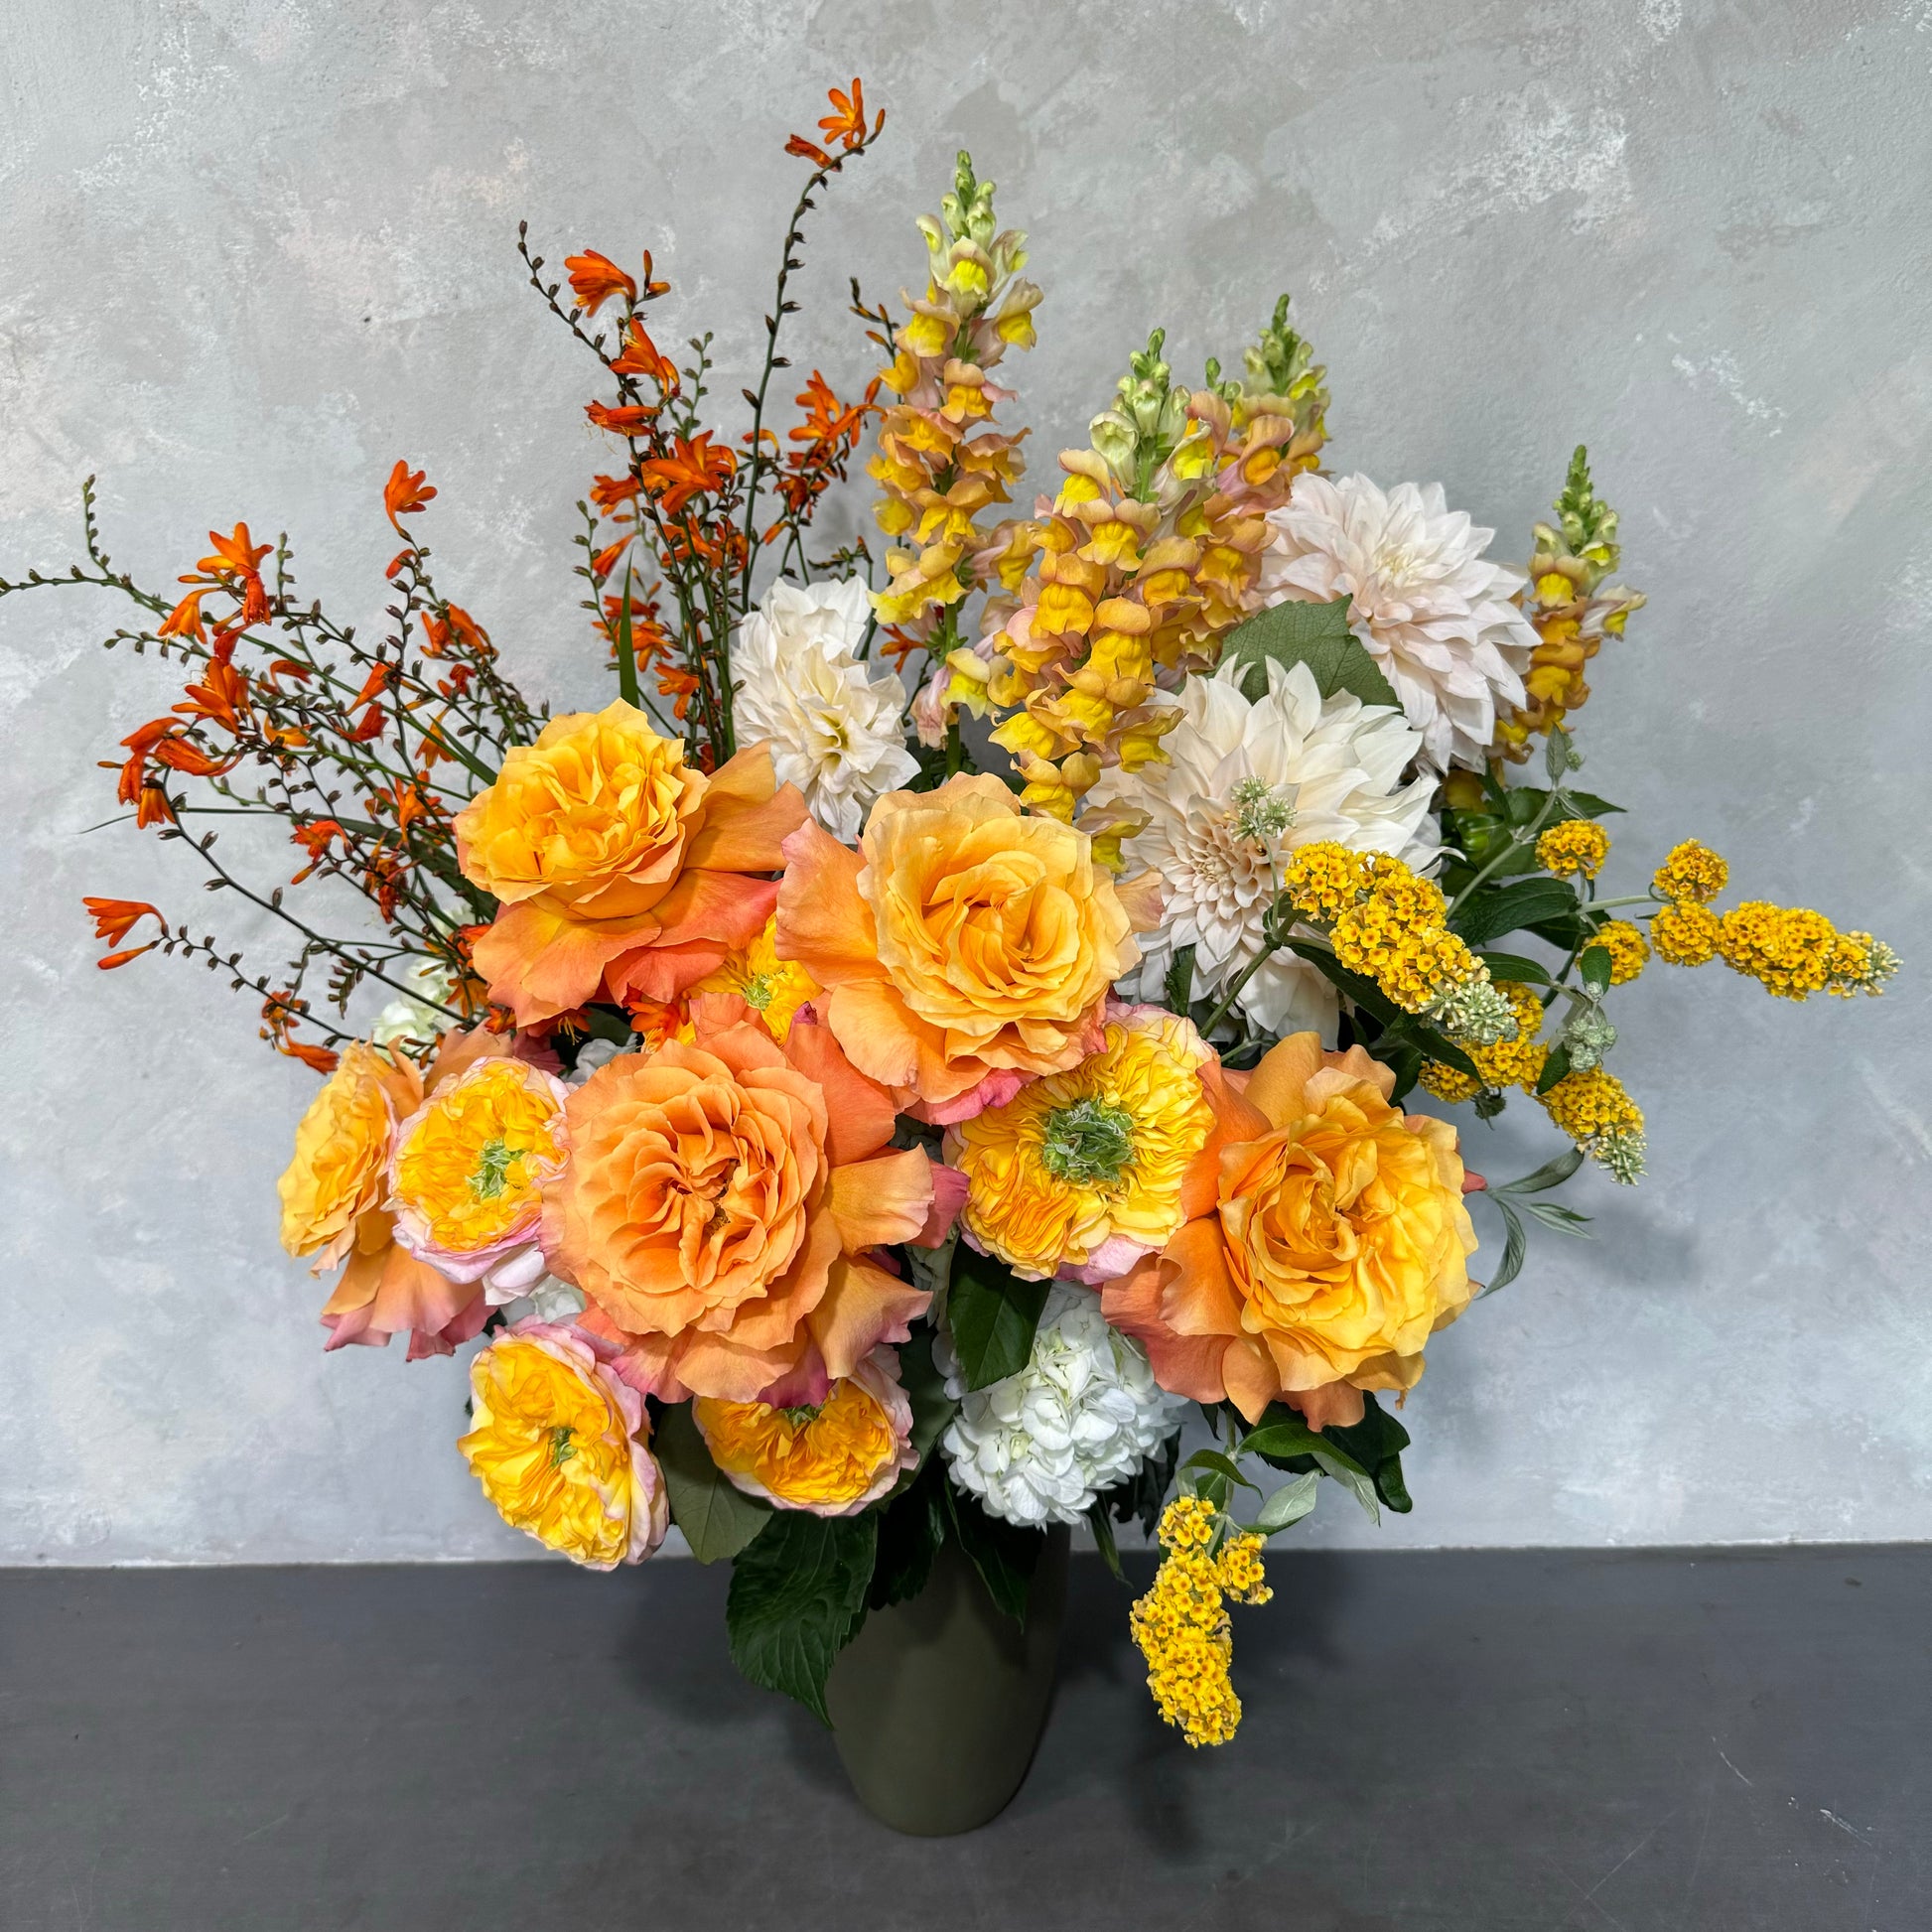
(951, 1023)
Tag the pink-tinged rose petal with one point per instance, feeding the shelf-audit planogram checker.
(948, 1197)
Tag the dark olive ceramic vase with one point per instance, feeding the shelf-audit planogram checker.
(938, 1704)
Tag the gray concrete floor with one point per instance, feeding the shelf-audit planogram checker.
(1440, 1743)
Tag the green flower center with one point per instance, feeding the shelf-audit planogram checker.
(1087, 1144)
(760, 992)
(798, 1418)
(562, 1448)
(494, 1164)
(1260, 814)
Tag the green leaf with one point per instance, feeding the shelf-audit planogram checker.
(925, 1390)
(1358, 1486)
(1364, 992)
(1558, 1218)
(1594, 965)
(1405, 1060)
(1377, 1442)
(991, 1313)
(1103, 1537)
(1314, 634)
(1589, 805)
(1555, 1068)
(1514, 1246)
(1288, 1505)
(1553, 1174)
(1282, 1434)
(626, 647)
(1515, 968)
(1221, 1465)
(1004, 1554)
(1178, 986)
(797, 1598)
(911, 1529)
(1492, 910)
(717, 1520)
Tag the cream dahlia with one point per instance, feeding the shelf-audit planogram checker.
(1081, 1417)
(835, 732)
(1431, 611)
(1246, 782)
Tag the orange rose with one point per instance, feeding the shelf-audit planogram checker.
(719, 1206)
(1327, 1242)
(333, 1199)
(618, 867)
(963, 947)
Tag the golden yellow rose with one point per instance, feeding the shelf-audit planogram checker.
(621, 870)
(560, 1446)
(964, 946)
(341, 1152)
(832, 1458)
(1083, 1170)
(1333, 1244)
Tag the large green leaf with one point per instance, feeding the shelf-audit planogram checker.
(797, 1598)
(1314, 634)
(991, 1313)
(1004, 1554)
(1492, 910)
(717, 1520)
(911, 1528)
(1377, 1442)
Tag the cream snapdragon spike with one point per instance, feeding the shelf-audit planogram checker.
(1081, 1418)
(1247, 781)
(1427, 606)
(836, 732)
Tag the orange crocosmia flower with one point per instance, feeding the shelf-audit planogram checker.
(239, 557)
(846, 124)
(632, 419)
(643, 356)
(808, 151)
(218, 697)
(607, 493)
(595, 278)
(606, 559)
(1325, 1241)
(153, 808)
(622, 873)
(965, 948)
(693, 468)
(115, 919)
(179, 755)
(722, 1206)
(316, 839)
(406, 490)
(185, 620)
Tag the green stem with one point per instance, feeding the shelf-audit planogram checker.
(1517, 840)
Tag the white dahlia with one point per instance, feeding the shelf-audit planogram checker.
(1079, 1418)
(1432, 614)
(836, 732)
(1245, 782)
(416, 1019)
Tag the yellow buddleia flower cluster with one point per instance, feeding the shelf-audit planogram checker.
(1600, 1117)
(1391, 927)
(1626, 947)
(1576, 848)
(1790, 950)
(940, 461)
(1181, 1624)
(1513, 1062)
(1149, 556)
(1571, 608)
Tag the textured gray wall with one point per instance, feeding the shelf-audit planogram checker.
(255, 251)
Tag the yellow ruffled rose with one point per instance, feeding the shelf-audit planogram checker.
(961, 943)
(1327, 1242)
(342, 1152)
(832, 1458)
(560, 1446)
(1083, 1170)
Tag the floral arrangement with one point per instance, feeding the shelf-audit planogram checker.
(849, 1114)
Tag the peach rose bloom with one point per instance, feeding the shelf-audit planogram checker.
(964, 947)
(334, 1194)
(621, 869)
(1326, 1241)
(721, 1203)
(832, 1458)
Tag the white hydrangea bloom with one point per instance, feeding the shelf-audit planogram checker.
(1432, 614)
(415, 1020)
(836, 732)
(1245, 782)
(1079, 1418)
